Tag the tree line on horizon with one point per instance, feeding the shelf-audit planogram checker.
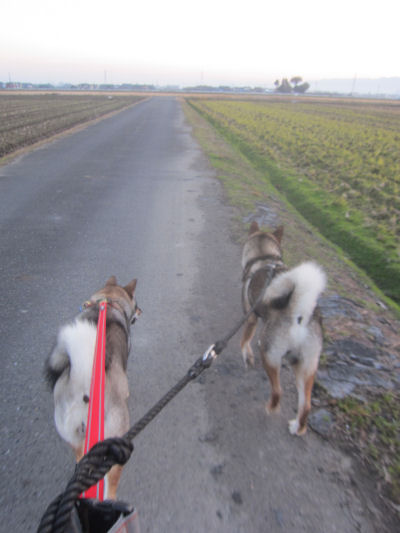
(283, 86)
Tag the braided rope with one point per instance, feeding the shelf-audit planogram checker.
(194, 371)
(90, 469)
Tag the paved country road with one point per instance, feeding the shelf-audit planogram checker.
(133, 196)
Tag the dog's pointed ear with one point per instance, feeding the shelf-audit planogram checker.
(111, 281)
(278, 234)
(254, 228)
(130, 288)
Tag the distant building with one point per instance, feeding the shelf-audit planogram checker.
(13, 85)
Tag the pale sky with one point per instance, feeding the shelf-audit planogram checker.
(247, 42)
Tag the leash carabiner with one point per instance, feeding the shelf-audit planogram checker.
(209, 356)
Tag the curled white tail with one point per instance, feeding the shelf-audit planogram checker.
(302, 286)
(73, 352)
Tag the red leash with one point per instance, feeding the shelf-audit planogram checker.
(95, 421)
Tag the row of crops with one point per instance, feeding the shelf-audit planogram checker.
(338, 162)
(28, 118)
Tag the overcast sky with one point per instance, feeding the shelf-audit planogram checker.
(182, 42)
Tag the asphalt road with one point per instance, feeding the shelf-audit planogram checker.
(134, 196)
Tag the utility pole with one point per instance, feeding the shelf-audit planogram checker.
(353, 85)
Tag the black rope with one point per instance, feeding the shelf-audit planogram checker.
(222, 343)
(89, 471)
(194, 371)
(105, 454)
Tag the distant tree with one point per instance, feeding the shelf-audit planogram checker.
(301, 88)
(296, 80)
(284, 87)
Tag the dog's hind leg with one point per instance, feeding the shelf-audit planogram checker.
(247, 336)
(273, 371)
(79, 453)
(304, 382)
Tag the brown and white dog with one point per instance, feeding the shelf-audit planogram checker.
(68, 369)
(291, 324)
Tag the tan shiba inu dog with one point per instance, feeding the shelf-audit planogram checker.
(69, 368)
(291, 324)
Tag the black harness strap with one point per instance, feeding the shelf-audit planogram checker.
(273, 259)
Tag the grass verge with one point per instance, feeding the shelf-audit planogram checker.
(374, 428)
(247, 187)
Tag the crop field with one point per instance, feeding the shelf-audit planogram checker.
(336, 161)
(28, 118)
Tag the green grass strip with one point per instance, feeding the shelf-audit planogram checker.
(368, 250)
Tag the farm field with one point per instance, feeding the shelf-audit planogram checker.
(28, 118)
(336, 161)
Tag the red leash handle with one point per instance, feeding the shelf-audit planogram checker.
(95, 421)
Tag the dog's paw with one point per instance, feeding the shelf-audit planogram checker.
(248, 358)
(295, 428)
(249, 363)
(270, 409)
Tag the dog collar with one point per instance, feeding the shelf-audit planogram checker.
(117, 306)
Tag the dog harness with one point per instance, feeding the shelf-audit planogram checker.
(259, 279)
(270, 258)
(118, 311)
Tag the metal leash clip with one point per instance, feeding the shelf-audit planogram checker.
(209, 355)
